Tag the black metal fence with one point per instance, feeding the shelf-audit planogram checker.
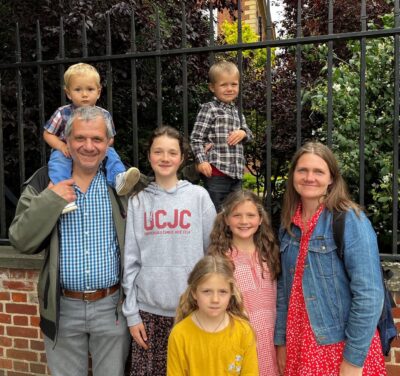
(8, 196)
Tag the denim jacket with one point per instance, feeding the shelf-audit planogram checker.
(343, 299)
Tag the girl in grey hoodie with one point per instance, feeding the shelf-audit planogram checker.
(168, 228)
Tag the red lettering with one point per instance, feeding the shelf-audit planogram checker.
(157, 215)
(181, 219)
(158, 220)
(175, 223)
(150, 226)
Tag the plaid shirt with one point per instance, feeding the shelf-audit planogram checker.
(58, 121)
(89, 251)
(214, 122)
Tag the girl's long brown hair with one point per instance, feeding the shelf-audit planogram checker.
(266, 245)
(337, 197)
(204, 268)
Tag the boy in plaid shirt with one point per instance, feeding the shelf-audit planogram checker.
(218, 135)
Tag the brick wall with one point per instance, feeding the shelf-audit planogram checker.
(21, 346)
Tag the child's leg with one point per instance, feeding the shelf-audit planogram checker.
(114, 166)
(60, 167)
(218, 188)
(117, 177)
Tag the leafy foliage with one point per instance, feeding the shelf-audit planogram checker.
(379, 120)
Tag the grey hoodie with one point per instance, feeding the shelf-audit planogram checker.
(167, 232)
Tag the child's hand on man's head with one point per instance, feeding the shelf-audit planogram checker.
(236, 136)
(65, 151)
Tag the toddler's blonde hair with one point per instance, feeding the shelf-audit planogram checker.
(219, 67)
(81, 69)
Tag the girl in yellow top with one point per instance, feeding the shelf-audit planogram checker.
(212, 335)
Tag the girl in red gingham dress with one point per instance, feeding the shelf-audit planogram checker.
(242, 232)
(328, 309)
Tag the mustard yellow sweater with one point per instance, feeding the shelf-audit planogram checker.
(194, 352)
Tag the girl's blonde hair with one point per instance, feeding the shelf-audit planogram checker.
(205, 268)
(266, 245)
(337, 196)
(81, 69)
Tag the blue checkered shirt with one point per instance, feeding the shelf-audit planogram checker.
(89, 252)
(58, 121)
(214, 122)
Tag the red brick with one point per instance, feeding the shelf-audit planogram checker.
(5, 341)
(38, 369)
(22, 332)
(32, 275)
(17, 274)
(37, 345)
(1, 330)
(43, 358)
(13, 373)
(21, 343)
(20, 320)
(397, 356)
(35, 321)
(4, 273)
(22, 355)
(20, 286)
(5, 319)
(18, 297)
(25, 309)
(4, 295)
(396, 342)
(21, 366)
(1, 307)
(393, 370)
(396, 312)
(5, 364)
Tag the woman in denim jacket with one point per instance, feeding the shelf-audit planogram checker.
(327, 308)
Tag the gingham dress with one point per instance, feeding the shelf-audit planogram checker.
(304, 356)
(259, 297)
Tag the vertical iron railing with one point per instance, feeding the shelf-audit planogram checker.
(158, 69)
(330, 78)
(21, 142)
(298, 77)
(363, 68)
(109, 72)
(40, 92)
(268, 132)
(395, 187)
(135, 141)
(2, 182)
(185, 106)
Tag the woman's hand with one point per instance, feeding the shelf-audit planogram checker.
(281, 359)
(347, 369)
(138, 333)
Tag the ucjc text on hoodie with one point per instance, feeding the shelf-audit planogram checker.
(167, 232)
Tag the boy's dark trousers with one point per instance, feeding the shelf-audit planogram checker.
(219, 188)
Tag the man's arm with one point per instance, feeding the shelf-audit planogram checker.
(37, 213)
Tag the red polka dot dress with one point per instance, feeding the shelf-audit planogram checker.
(259, 298)
(305, 357)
